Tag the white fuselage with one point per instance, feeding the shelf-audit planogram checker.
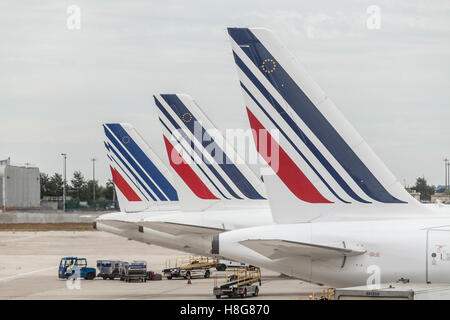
(417, 249)
(398, 247)
(130, 225)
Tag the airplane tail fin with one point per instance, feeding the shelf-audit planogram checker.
(141, 179)
(207, 167)
(322, 160)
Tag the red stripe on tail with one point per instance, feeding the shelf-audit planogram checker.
(123, 186)
(287, 170)
(186, 173)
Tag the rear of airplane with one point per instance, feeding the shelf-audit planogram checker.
(141, 179)
(322, 160)
(207, 166)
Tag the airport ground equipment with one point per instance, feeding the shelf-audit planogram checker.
(188, 267)
(133, 271)
(224, 264)
(70, 266)
(152, 276)
(108, 269)
(396, 291)
(239, 282)
(325, 294)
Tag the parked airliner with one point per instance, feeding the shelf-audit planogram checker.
(341, 217)
(199, 196)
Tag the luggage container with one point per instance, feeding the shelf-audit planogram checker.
(108, 269)
(134, 271)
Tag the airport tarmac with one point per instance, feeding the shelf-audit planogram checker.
(29, 265)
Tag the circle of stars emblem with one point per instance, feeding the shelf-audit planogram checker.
(269, 65)
(125, 139)
(187, 117)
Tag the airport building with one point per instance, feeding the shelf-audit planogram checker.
(414, 193)
(441, 196)
(19, 187)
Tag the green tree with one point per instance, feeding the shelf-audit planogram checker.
(425, 190)
(78, 186)
(55, 185)
(79, 189)
(108, 191)
(44, 181)
(105, 192)
(89, 195)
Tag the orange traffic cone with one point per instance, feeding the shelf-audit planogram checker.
(189, 279)
(310, 296)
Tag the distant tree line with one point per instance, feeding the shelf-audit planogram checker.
(82, 190)
(78, 188)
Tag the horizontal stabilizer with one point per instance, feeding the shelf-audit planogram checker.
(180, 228)
(276, 249)
(119, 224)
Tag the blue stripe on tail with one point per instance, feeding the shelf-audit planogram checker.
(144, 161)
(208, 142)
(130, 160)
(210, 167)
(311, 116)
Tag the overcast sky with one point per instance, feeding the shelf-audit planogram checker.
(57, 86)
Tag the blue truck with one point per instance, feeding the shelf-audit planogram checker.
(70, 266)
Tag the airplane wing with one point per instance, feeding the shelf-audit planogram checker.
(275, 249)
(180, 228)
(121, 224)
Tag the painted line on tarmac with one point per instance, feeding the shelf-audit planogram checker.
(20, 239)
(21, 275)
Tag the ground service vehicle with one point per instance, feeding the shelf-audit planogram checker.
(191, 266)
(151, 275)
(77, 267)
(396, 291)
(228, 264)
(241, 282)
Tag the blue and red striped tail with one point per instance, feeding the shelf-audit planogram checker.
(322, 159)
(141, 179)
(207, 165)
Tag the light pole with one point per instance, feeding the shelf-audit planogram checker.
(93, 178)
(446, 174)
(114, 194)
(64, 155)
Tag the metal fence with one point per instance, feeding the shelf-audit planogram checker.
(98, 205)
